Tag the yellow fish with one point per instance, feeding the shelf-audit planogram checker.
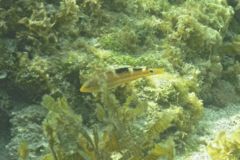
(117, 77)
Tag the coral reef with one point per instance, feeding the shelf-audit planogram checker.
(52, 47)
(55, 29)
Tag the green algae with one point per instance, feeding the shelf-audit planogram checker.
(128, 127)
(118, 133)
(53, 47)
(225, 147)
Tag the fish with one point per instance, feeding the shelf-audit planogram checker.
(117, 77)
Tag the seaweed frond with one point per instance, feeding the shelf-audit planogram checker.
(225, 147)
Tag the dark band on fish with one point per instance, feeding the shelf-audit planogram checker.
(121, 70)
(137, 69)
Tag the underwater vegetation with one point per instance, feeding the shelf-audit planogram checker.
(225, 147)
(53, 47)
(42, 39)
(133, 128)
(119, 134)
